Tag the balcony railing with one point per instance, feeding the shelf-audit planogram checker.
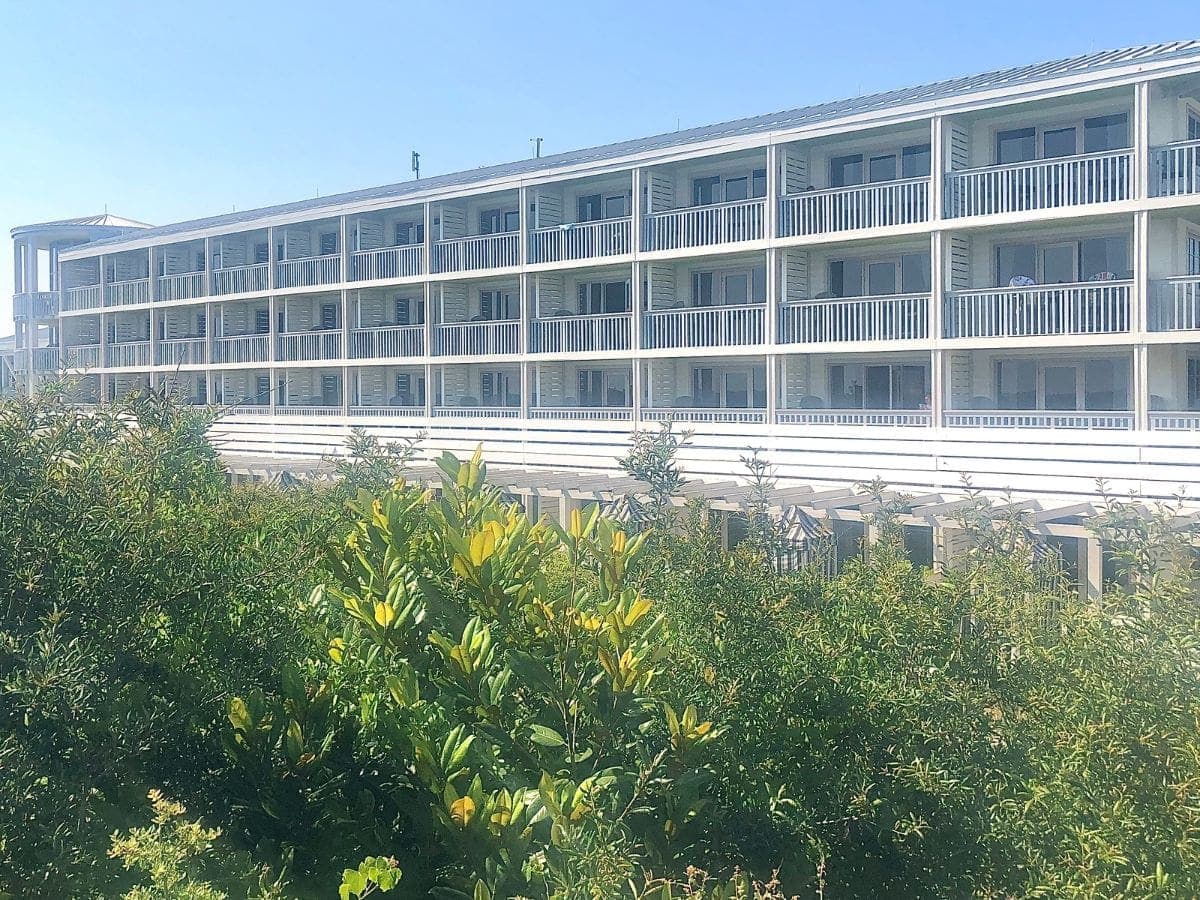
(129, 353)
(1023, 418)
(476, 338)
(1176, 169)
(37, 305)
(704, 226)
(906, 418)
(1175, 421)
(124, 293)
(1175, 304)
(387, 262)
(1041, 184)
(310, 345)
(84, 297)
(703, 414)
(585, 413)
(884, 318)
(242, 348)
(386, 411)
(184, 286)
(393, 340)
(831, 210)
(242, 279)
(182, 352)
(483, 251)
(310, 271)
(46, 359)
(306, 411)
(477, 412)
(1091, 307)
(581, 334)
(704, 326)
(580, 240)
(82, 356)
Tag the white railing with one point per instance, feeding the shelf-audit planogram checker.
(1176, 169)
(46, 359)
(248, 409)
(702, 226)
(1175, 421)
(1175, 304)
(182, 352)
(1090, 307)
(575, 334)
(475, 412)
(391, 340)
(704, 326)
(300, 410)
(878, 205)
(1041, 184)
(895, 417)
(39, 305)
(476, 338)
(703, 414)
(241, 279)
(129, 353)
(385, 411)
(82, 356)
(85, 297)
(483, 251)
(1023, 418)
(242, 348)
(311, 270)
(586, 413)
(885, 318)
(124, 293)
(580, 240)
(181, 287)
(310, 345)
(386, 262)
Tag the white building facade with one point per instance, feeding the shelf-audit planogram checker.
(996, 277)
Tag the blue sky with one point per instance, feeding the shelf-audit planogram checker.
(169, 111)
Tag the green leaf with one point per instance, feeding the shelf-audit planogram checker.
(239, 715)
(547, 737)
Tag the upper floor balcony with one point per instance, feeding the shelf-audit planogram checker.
(1175, 304)
(241, 348)
(45, 359)
(183, 286)
(890, 317)
(476, 318)
(308, 271)
(128, 354)
(387, 245)
(35, 305)
(581, 312)
(707, 203)
(81, 297)
(880, 389)
(478, 338)
(187, 351)
(476, 234)
(1176, 169)
(578, 220)
(717, 303)
(128, 292)
(82, 355)
(308, 254)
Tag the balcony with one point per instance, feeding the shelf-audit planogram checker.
(581, 334)
(833, 210)
(483, 251)
(128, 353)
(1040, 184)
(855, 319)
(46, 359)
(387, 262)
(1033, 418)
(126, 293)
(37, 305)
(583, 413)
(1176, 169)
(580, 240)
(717, 415)
(1175, 421)
(704, 226)
(242, 348)
(81, 356)
(309, 345)
(309, 271)
(476, 338)
(1092, 307)
(182, 352)
(241, 279)
(1175, 304)
(704, 326)
(85, 297)
(388, 341)
(899, 418)
(185, 286)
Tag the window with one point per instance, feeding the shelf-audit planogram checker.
(758, 183)
(496, 389)
(702, 289)
(327, 243)
(1016, 145)
(409, 233)
(859, 386)
(262, 252)
(910, 274)
(512, 220)
(1095, 384)
(1016, 384)
(915, 161)
(1104, 256)
(604, 387)
(329, 316)
(497, 305)
(1058, 264)
(1193, 253)
(199, 261)
(1193, 125)
(1193, 384)
(705, 191)
(603, 297)
(262, 389)
(497, 221)
(201, 325)
(331, 390)
(736, 287)
(729, 389)
(737, 189)
(589, 208)
(615, 206)
(262, 321)
(846, 170)
(916, 276)
(882, 168)
(1059, 142)
(1102, 133)
(846, 278)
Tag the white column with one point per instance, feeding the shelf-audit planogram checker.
(636, 300)
(937, 167)
(937, 301)
(426, 254)
(1141, 387)
(31, 266)
(209, 339)
(771, 323)
(1141, 139)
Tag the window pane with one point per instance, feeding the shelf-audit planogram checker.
(512, 220)
(702, 288)
(1061, 387)
(1104, 256)
(845, 170)
(1105, 384)
(735, 189)
(737, 390)
(1105, 133)
(758, 287)
(1016, 384)
(882, 168)
(1059, 142)
(704, 190)
(589, 208)
(846, 278)
(881, 279)
(758, 183)
(915, 273)
(1015, 261)
(737, 288)
(1058, 264)
(916, 161)
(616, 296)
(1018, 145)
(879, 387)
(614, 206)
(914, 388)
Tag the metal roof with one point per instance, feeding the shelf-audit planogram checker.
(1088, 63)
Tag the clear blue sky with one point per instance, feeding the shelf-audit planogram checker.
(165, 111)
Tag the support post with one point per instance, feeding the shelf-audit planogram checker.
(1091, 569)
